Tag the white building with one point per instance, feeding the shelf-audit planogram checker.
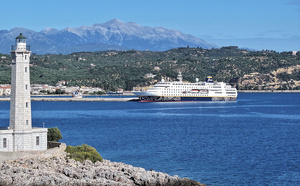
(5, 90)
(20, 135)
(294, 53)
(149, 75)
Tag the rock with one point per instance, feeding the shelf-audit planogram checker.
(5, 180)
(61, 171)
(97, 164)
(88, 163)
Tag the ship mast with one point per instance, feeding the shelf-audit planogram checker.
(179, 77)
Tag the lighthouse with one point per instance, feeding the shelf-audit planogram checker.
(20, 135)
(20, 104)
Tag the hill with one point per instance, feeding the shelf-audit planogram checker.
(112, 35)
(110, 70)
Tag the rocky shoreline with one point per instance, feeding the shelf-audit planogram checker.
(63, 171)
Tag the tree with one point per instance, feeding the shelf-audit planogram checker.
(59, 91)
(83, 152)
(54, 134)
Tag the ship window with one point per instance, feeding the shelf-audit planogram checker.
(25, 57)
(26, 87)
(37, 140)
(27, 122)
(4, 142)
(26, 104)
(25, 69)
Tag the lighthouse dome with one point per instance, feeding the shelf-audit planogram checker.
(21, 36)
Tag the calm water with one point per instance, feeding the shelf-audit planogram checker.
(255, 140)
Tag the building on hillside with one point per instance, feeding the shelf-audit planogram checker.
(149, 75)
(20, 135)
(157, 69)
(5, 90)
(294, 53)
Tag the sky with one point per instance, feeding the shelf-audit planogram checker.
(252, 24)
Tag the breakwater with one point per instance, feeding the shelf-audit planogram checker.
(270, 91)
(78, 99)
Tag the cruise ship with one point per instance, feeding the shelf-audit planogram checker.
(209, 90)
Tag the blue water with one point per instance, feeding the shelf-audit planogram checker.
(254, 141)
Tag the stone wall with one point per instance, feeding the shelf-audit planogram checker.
(53, 152)
(52, 144)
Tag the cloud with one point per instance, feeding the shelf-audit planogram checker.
(258, 43)
(275, 33)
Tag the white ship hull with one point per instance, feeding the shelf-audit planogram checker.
(156, 98)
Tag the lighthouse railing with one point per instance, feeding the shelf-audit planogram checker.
(13, 47)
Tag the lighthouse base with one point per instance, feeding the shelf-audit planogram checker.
(29, 140)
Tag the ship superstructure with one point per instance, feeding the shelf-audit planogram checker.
(182, 91)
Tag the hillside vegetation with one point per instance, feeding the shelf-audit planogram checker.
(111, 70)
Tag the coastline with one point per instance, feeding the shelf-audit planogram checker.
(78, 99)
(125, 99)
(52, 167)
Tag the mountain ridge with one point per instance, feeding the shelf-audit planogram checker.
(115, 34)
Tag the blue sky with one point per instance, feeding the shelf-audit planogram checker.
(255, 24)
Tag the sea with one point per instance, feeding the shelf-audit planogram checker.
(252, 141)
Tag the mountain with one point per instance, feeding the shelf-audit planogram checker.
(112, 35)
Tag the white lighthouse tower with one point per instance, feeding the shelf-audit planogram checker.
(20, 135)
(20, 105)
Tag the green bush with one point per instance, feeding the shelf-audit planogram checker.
(54, 134)
(83, 152)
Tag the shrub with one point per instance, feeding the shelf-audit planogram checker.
(83, 152)
(54, 134)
